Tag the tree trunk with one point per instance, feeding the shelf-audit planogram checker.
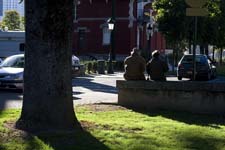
(207, 49)
(221, 56)
(47, 102)
(201, 49)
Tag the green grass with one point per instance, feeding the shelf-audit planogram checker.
(124, 129)
(221, 70)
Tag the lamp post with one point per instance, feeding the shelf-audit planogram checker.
(111, 24)
(149, 39)
(150, 27)
(113, 30)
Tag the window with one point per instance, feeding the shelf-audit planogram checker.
(81, 39)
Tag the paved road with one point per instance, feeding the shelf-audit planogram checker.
(88, 89)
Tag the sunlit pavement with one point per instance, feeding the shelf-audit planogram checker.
(86, 90)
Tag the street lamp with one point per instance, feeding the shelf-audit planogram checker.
(149, 37)
(111, 24)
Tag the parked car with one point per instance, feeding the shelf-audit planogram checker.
(75, 65)
(0, 61)
(205, 68)
(11, 72)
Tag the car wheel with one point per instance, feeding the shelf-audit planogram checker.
(179, 78)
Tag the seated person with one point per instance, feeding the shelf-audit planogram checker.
(157, 67)
(134, 66)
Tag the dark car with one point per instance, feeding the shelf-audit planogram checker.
(205, 68)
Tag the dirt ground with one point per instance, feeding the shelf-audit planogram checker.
(13, 133)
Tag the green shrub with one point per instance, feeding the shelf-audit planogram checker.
(89, 67)
(94, 66)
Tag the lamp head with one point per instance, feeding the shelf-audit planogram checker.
(111, 23)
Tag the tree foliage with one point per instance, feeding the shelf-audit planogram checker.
(176, 26)
(47, 99)
(11, 20)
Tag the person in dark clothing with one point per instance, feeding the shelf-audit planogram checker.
(156, 67)
(134, 66)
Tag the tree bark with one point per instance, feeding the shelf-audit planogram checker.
(221, 56)
(47, 102)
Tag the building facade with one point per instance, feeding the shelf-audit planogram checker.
(6, 5)
(91, 34)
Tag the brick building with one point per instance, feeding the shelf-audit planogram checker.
(157, 39)
(91, 35)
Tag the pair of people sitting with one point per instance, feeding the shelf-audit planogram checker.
(135, 66)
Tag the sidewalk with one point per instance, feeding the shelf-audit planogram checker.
(86, 90)
(96, 89)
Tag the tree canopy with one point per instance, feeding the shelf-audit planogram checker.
(176, 26)
(11, 20)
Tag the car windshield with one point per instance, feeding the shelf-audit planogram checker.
(13, 61)
(198, 59)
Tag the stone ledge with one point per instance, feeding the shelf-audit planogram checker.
(195, 97)
(173, 85)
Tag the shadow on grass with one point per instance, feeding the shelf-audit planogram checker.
(71, 140)
(187, 117)
(196, 142)
(2, 148)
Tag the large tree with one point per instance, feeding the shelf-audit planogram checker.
(47, 102)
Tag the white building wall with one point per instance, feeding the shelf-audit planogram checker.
(10, 43)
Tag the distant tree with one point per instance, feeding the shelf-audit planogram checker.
(220, 38)
(177, 27)
(11, 20)
(22, 23)
(172, 23)
(171, 18)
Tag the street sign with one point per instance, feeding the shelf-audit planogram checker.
(196, 12)
(195, 3)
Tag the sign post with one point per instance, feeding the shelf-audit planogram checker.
(195, 10)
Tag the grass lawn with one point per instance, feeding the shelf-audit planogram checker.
(108, 127)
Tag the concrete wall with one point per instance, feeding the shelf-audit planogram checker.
(195, 97)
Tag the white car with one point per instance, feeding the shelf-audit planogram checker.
(75, 63)
(11, 72)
